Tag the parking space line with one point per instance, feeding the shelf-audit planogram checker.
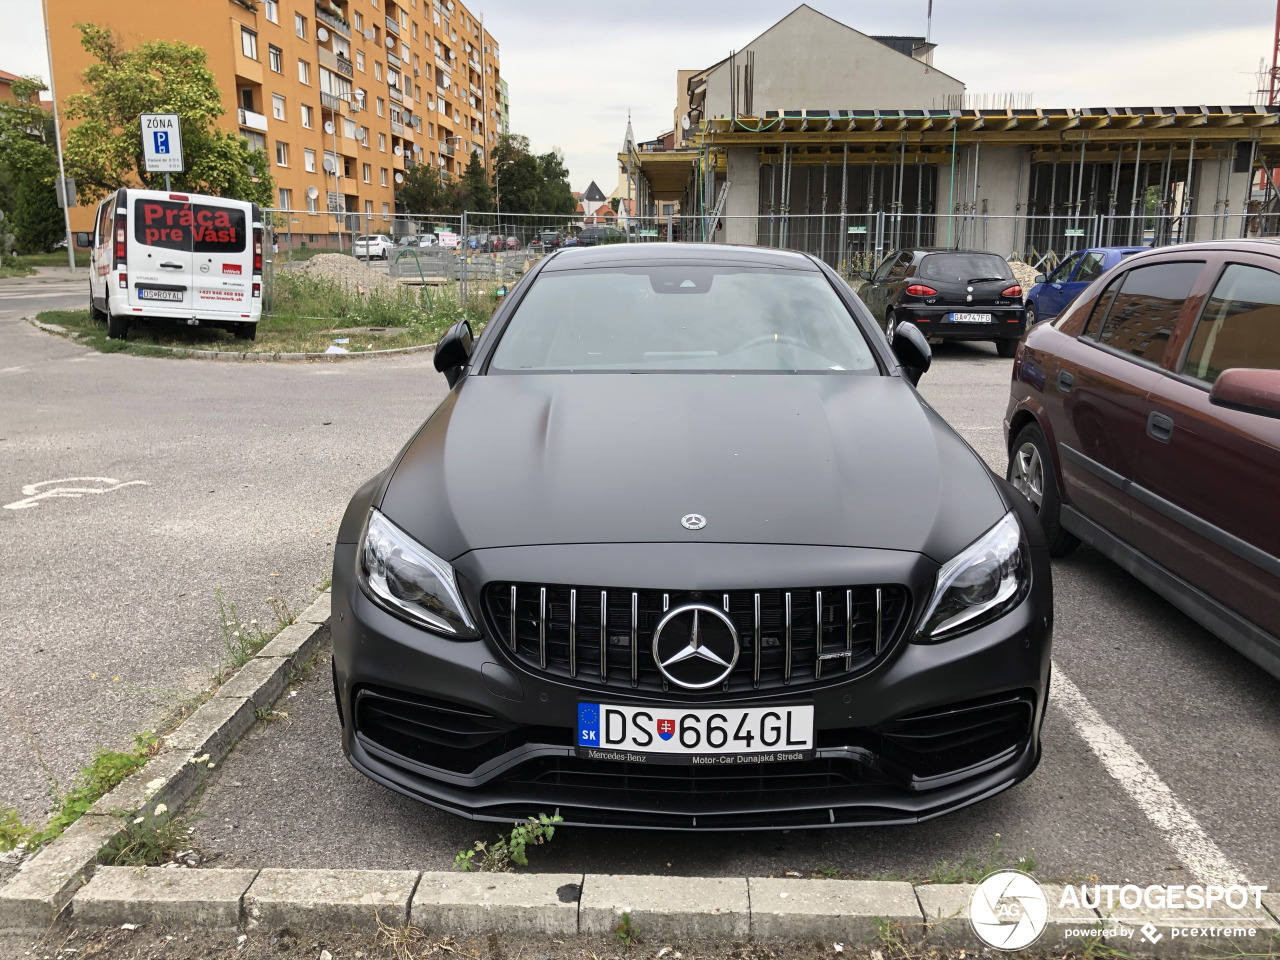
(1143, 785)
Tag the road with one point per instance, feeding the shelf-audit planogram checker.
(238, 475)
(1159, 766)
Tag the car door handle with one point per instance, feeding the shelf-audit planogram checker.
(1066, 381)
(1160, 426)
(171, 266)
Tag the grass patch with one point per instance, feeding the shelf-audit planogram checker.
(13, 832)
(146, 841)
(8, 270)
(307, 314)
(973, 868)
(58, 258)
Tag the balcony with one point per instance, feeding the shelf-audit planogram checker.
(396, 95)
(330, 101)
(397, 128)
(325, 14)
(393, 26)
(254, 121)
(446, 149)
(393, 61)
(345, 66)
(441, 63)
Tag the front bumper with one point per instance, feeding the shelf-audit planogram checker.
(465, 727)
(1008, 323)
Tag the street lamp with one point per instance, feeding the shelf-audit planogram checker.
(497, 193)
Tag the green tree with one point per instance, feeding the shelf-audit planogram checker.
(28, 167)
(516, 175)
(426, 191)
(555, 195)
(477, 194)
(104, 151)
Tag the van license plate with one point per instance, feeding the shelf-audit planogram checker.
(144, 294)
(698, 736)
(972, 318)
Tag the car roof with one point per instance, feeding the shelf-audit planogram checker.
(642, 254)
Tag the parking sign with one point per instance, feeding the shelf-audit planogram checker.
(161, 143)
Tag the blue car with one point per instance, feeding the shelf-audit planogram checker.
(1050, 294)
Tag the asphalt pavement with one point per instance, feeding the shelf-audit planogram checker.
(1159, 762)
(206, 477)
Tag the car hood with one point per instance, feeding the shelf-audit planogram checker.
(593, 458)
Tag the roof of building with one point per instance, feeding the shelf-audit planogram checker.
(7, 77)
(594, 193)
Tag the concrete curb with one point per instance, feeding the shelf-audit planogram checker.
(43, 886)
(250, 356)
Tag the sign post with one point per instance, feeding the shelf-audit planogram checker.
(161, 144)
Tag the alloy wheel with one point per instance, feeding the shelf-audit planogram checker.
(1027, 474)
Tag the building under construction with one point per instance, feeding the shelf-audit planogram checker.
(764, 152)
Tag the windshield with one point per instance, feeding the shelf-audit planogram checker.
(964, 267)
(695, 317)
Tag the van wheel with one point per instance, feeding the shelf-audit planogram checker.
(1006, 348)
(1031, 471)
(117, 326)
(246, 331)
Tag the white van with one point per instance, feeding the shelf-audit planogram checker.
(188, 258)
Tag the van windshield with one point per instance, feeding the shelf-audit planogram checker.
(186, 226)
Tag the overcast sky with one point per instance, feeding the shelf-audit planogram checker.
(575, 67)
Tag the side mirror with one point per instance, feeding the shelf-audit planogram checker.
(912, 351)
(454, 351)
(82, 240)
(865, 275)
(1250, 390)
(1041, 278)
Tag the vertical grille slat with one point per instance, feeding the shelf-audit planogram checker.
(786, 636)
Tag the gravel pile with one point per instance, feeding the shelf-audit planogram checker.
(350, 273)
(1025, 274)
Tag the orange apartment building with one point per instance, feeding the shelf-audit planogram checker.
(343, 95)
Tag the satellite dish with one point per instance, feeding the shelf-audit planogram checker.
(399, 177)
(312, 192)
(391, 41)
(328, 126)
(359, 91)
(399, 151)
(322, 34)
(368, 34)
(329, 165)
(684, 122)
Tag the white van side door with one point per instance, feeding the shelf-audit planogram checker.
(160, 258)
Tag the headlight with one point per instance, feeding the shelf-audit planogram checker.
(983, 582)
(410, 580)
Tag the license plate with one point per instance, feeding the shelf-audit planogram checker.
(144, 294)
(699, 736)
(972, 318)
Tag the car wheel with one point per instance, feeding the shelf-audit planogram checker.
(1006, 348)
(117, 326)
(890, 325)
(1032, 319)
(1031, 472)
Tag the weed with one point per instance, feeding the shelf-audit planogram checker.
(972, 869)
(498, 856)
(892, 937)
(626, 931)
(146, 841)
(1095, 947)
(242, 640)
(13, 832)
(95, 780)
(267, 715)
(826, 871)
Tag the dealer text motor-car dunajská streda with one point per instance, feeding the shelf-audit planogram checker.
(717, 508)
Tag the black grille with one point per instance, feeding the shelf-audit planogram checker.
(785, 639)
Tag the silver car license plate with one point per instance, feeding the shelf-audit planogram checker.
(145, 294)
(705, 736)
(972, 318)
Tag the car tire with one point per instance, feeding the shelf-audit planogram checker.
(1006, 348)
(890, 325)
(117, 326)
(246, 331)
(1031, 472)
(1031, 314)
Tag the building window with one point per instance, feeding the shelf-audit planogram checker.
(311, 202)
(277, 106)
(363, 136)
(360, 60)
(255, 140)
(381, 106)
(275, 58)
(368, 173)
(304, 72)
(386, 208)
(249, 43)
(382, 142)
(368, 206)
(384, 176)
(282, 154)
(348, 128)
(377, 70)
(273, 10)
(309, 161)
(306, 116)
(286, 199)
(300, 26)
(357, 21)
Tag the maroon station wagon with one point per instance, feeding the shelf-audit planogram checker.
(1145, 421)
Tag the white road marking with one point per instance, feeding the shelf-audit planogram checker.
(1181, 830)
(34, 493)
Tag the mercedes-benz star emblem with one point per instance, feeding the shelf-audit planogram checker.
(696, 646)
(693, 521)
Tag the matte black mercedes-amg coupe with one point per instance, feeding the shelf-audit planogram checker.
(684, 548)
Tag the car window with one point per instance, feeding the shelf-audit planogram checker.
(1240, 326)
(1062, 272)
(218, 229)
(964, 267)
(1090, 268)
(900, 266)
(163, 223)
(883, 270)
(1100, 308)
(691, 317)
(1142, 316)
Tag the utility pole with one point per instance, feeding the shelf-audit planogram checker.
(57, 139)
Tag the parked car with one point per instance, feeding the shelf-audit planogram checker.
(512, 243)
(592, 236)
(1145, 421)
(570, 241)
(948, 295)
(376, 245)
(189, 258)
(1050, 294)
(528, 617)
